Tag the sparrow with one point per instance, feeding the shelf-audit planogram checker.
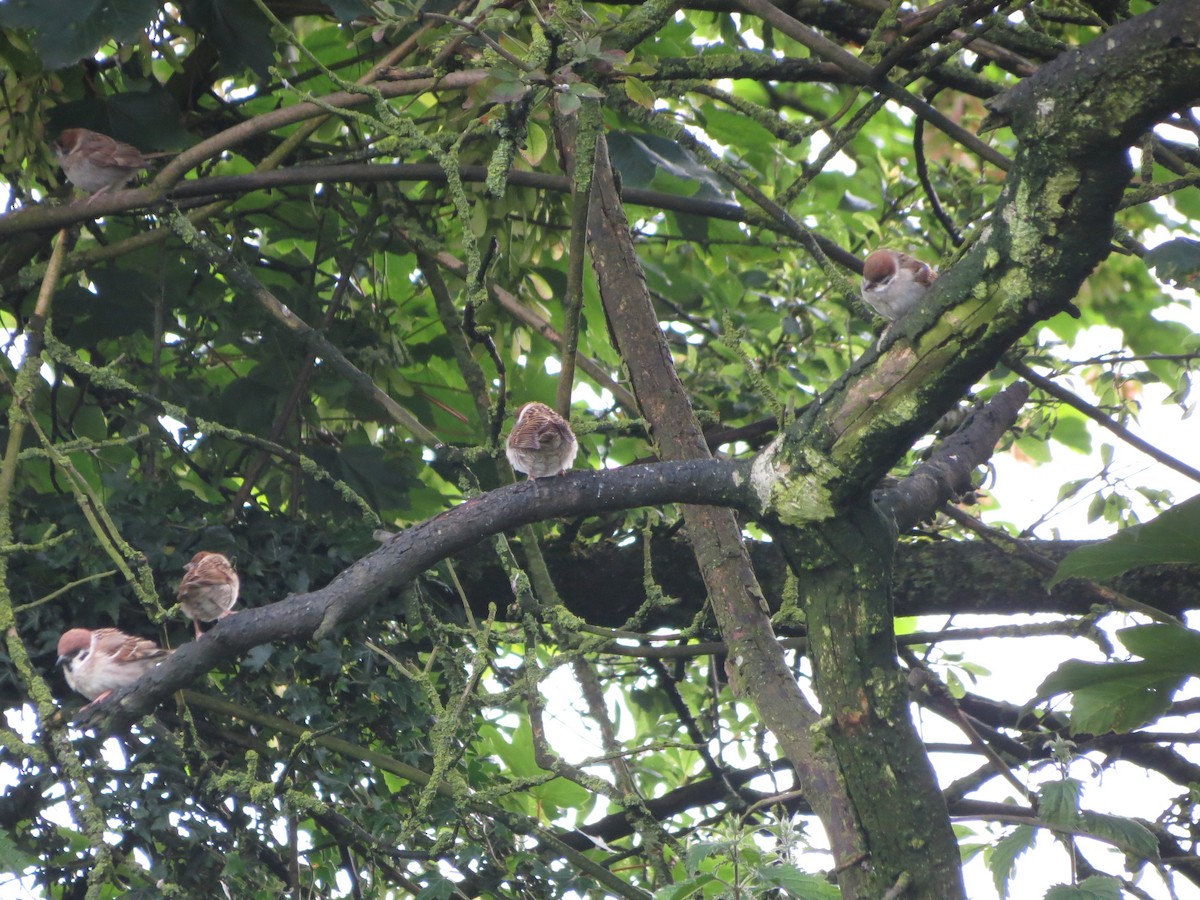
(209, 588)
(894, 283)
(541, 443)
(102, 661)
(95, 162)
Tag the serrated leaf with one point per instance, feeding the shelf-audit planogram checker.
(1098, 887)
(1130, 836)
(799, 884)
(12, 858)
(439, 888)
(1058, 802)
(698, 852)
(1173, 537)
(1002, 858)
(683, 889)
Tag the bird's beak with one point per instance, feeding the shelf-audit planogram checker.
(61, 661)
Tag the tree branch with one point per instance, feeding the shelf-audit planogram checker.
(380, 574)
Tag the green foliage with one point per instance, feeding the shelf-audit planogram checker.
(1122, 696)
(1097, 887)
(1176, 261)
(173, 409)
(1002, 857)
(1173, 537)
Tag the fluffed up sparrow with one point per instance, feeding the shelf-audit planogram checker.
(96, 163)
(209, 588)
(894, 283)
(541, 443)
(102, 661)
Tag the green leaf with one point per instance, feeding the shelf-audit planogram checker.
(639, 92)
(1173, 537)
(1098, 887)
(569, 103)
(736, 130)
(439, 888)
(586, 91)
(642, 157)
(683, 889)
(1002, 858)
(1129, 835)
(1176, 261)
(1058, 802)
(700, 851)
(66, 31)
(240, 32)
(1171, 647)
(798, 884)
(12, 858)
(1117, 696)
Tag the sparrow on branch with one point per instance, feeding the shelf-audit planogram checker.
(102, 661)
(541, 443)
(96, 163)
(209, 588)
(894, 283)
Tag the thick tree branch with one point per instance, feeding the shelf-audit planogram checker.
(757, 665)
(352, 594)
(604, 585)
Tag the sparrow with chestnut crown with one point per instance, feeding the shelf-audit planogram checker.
(541, 442)
(99, 662)
(894, 283)
(209, 588)
(96, 163)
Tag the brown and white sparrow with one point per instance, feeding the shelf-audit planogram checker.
(541, 443)
(209, 588)
(96, 163)
(102, 661)
(894, 283)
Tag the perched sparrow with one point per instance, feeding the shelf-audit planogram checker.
(95, 162)
(893, 283)
(209, 588)
(541, 443)
(101, 661)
